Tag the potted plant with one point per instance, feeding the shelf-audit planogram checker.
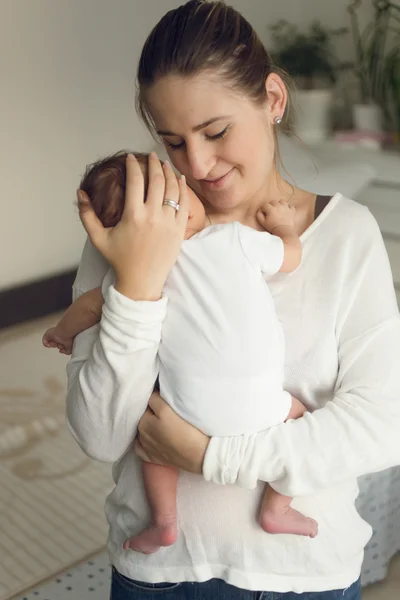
(377, 64)
(310, 59)
(392, 88)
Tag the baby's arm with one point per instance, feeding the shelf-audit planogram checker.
(82, 314)
(278, 219)
(293, 249)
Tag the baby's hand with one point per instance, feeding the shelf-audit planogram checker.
(273, 215)
(53, 339)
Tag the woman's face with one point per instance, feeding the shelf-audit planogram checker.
(220, 141)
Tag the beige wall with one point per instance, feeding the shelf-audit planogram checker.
(67, 70)
(66, 77)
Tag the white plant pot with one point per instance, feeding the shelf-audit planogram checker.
(367, 117)
(313, 115)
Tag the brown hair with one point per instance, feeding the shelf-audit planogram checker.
(104, 181)
(202, 36)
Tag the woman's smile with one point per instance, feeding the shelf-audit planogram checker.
(218, 183)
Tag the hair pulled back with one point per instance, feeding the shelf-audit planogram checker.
(202, 36)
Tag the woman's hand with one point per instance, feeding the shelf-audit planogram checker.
(144, 245)
(165, 438)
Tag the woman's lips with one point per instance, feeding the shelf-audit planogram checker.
(219, 183)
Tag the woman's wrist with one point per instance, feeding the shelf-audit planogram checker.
(136, 292)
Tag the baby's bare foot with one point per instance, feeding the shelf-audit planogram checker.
(53, 339)
(290, 521)
(153, 538)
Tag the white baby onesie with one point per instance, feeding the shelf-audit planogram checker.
(222, 347)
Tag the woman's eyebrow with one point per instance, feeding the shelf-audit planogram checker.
(198, 127)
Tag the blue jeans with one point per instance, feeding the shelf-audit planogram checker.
(123, 588)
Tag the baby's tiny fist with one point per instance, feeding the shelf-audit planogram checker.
(48, 338)
(52, 339)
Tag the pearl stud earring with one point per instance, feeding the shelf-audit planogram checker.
(278, 120)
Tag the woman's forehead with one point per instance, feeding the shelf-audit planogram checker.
(177, 102)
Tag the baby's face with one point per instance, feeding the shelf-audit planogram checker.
(197, 215)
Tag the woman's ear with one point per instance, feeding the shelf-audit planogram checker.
(276, 97)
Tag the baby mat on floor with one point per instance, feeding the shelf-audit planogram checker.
(51, 494)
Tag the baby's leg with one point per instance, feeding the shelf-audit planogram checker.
(297, 410)
(276, 515)
(160, 483)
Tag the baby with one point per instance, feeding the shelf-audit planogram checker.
(222, 349)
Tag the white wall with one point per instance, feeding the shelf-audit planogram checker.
(66, 75)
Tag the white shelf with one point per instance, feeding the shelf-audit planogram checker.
(385, 164)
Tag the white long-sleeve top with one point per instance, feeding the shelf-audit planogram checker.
(342, 334)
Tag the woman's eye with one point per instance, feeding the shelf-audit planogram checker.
(175, 146)
(219, 135)
(210, 138)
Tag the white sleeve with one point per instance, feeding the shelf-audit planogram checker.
(92, 268)
(108, 281)
(358, 431)
(113, 367)
(263, 250)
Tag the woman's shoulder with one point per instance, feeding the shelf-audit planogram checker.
(353, 219)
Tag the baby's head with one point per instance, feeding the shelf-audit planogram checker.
(105, 180)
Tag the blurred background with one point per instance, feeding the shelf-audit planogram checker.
(67, 81)
(67, 88)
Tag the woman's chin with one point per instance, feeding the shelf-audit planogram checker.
(223, 202)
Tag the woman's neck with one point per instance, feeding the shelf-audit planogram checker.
(276, 189)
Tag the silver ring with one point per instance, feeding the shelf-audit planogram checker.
(172, 203)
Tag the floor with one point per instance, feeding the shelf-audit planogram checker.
(49, 490)
(389, 589)
(91, 580)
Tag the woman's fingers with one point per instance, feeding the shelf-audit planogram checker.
(92, 224)
(183, 213)
(156, 189)
(171, 189)
(134, 192)
(140, 452)
(156, 403)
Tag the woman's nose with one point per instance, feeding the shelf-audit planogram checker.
(201, 161)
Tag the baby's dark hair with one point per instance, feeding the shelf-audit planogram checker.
(104, 181)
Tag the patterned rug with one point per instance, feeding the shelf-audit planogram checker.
(51, 494)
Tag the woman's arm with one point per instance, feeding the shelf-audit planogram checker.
(111, 375)
(355, 433)
(114, 364)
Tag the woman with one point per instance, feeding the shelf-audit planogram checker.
(206, 85)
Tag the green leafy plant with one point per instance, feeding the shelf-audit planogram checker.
(309, 57)
(377, 64)
(392, 87)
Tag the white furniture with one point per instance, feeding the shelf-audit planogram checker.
(373, 178)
